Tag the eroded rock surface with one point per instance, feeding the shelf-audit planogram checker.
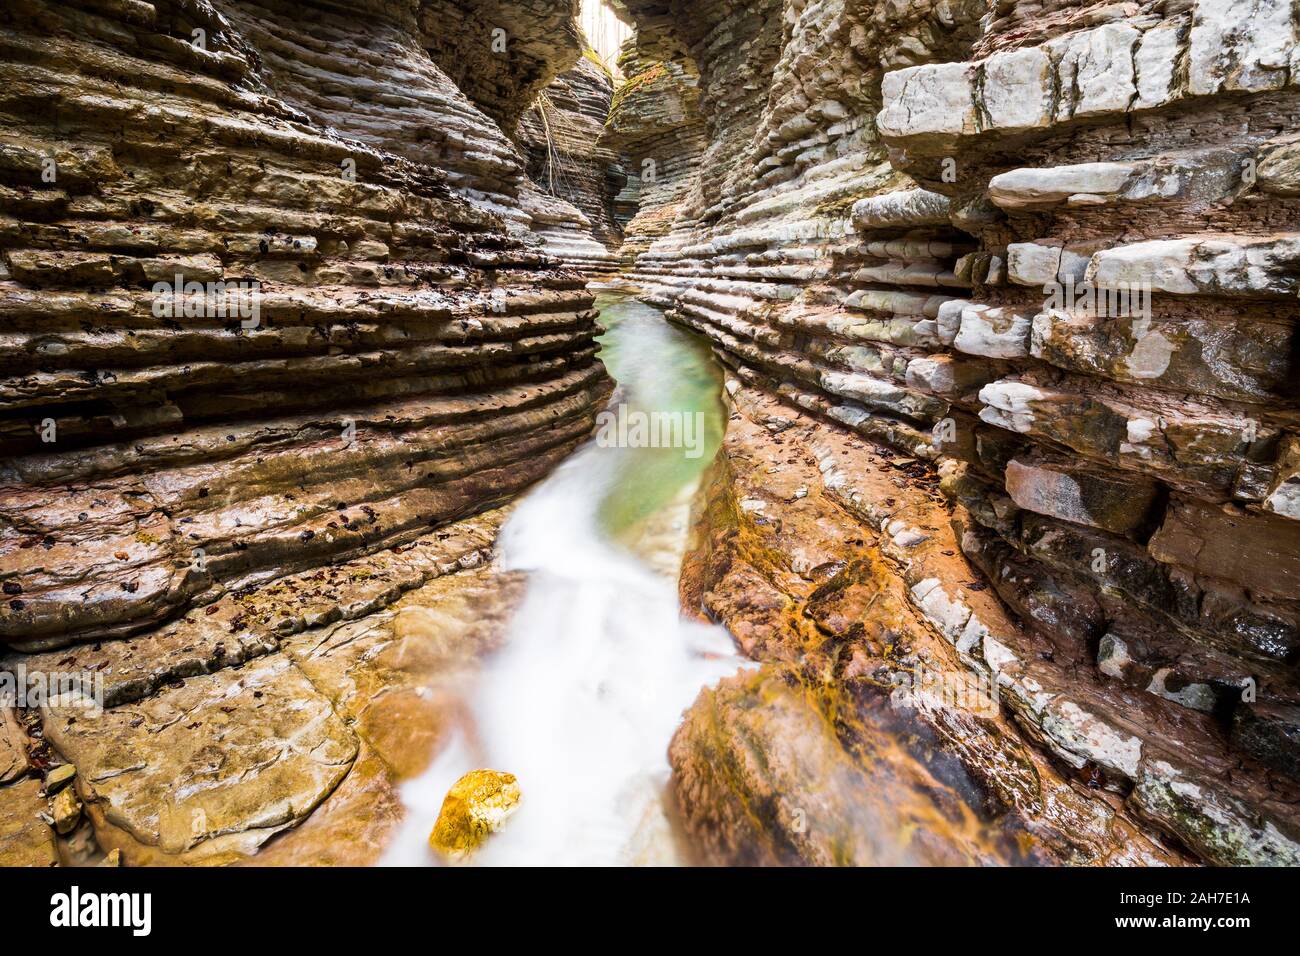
(415, 356)
(349, 683)
(834, 560)
(476, 806)
(1007, 296)
(566, 158)
(262, 522)
(1030, 251)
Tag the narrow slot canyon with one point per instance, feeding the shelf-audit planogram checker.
(649, 433)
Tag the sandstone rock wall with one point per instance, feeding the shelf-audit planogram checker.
(500, 53)
(894, 227)
(404, 333)
(655, 125)
(220, 500)
(565, 157)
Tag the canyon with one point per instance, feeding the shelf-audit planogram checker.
(1003, 523)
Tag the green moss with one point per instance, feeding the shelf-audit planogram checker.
(842, 206)
(634, 83)
(590, 54)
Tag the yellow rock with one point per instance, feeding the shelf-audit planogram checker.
(477, 804)
(66, 810)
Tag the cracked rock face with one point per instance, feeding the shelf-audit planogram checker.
(1049, 258)
(562, 131)
(578, 177)
(269, 749)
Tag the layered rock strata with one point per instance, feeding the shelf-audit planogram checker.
(907, 243)
(655, 125)
(500, 53)
(410, 359)
(561, 133)
(864, 738)
(276, 330)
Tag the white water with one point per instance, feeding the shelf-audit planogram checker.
(598, 666)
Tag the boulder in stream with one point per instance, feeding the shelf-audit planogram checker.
(478, 804)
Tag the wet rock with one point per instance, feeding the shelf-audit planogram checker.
(399, 674)
(351, 827)
(476, 806)
(65, 808)
(846, 201)
(1091, 738)
(1082, 498)
(1270, 733)
(1284, 494)
(1134, 662)
(761, 780)
(1072, 153)
(59, 777)
(256, 749)
(1261, 550)
(14, 759)
(894, 600)
(1223, 829)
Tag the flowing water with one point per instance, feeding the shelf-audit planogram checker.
(581, 702)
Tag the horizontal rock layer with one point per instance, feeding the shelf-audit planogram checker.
(562, 133)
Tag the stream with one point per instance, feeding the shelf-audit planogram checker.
(598, 664)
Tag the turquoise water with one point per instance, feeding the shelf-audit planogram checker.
(598, 664)
(662, 369)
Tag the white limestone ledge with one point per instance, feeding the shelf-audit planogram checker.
(993, 332)
(1232, 45)
(1201, 175)
(908, 207)
(1219, 265)
(1205, 265)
